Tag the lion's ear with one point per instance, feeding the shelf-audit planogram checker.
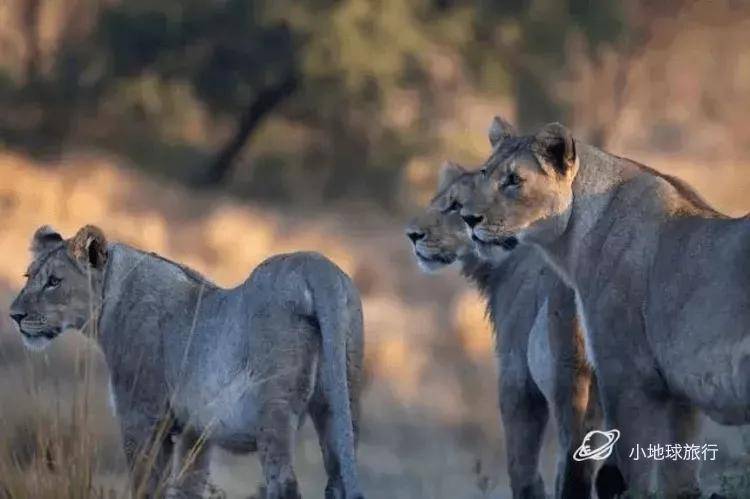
(554, 145)
(89, 247)
(44, 239)
(499, 131)
(449, 172)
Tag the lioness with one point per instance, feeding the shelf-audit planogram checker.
(238, 368)
(539, 346)
(662, 279)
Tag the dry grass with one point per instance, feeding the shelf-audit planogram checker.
(54, 442)
(430, 408)
(423, 425)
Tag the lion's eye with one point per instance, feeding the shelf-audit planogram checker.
(53, 282)
(455, 206)
(512, 180)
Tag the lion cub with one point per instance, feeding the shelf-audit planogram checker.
(238, 368)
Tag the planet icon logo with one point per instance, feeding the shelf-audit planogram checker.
(603, 451)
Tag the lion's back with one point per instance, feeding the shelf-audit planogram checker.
(289, 286)
(287, 269)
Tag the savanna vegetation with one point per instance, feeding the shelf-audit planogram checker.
(310, 101)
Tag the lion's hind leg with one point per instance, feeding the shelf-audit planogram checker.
(320, 413)
(275, 443)
(322, 418)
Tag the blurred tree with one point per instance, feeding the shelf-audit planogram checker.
(355, 56)
(237, 63)
(30, 27)
(532, 38)
(243, 59)
(360, 84)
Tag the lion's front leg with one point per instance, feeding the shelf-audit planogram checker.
(191, 466)
(574, 403)
(679, 478)
(641, 418)
(571, 410)
(148, 448)
(524, 414)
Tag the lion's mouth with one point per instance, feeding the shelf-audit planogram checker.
(42, 333)
(507, 243)
(445, 259)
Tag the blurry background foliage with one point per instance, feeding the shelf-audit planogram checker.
(301, 102)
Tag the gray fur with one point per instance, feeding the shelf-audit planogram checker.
(662, 280)
(237, 368)
(539, 346)
(542, 367)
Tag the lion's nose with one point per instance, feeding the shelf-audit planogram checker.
(18, 317)
(414, 235)
(472, 220)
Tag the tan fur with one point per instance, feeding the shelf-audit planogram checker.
(662, 280)
(89, 243)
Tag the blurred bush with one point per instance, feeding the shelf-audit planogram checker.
(335, 98)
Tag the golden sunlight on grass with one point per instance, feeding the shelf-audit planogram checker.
(224, 239)
(429, 347)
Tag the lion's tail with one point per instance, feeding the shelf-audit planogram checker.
(337, 306)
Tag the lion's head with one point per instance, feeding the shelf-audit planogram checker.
(438, 235)
(524, 189)
(63, 284)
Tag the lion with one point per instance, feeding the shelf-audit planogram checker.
(661, 278)
(539, 345)
(205, 366)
